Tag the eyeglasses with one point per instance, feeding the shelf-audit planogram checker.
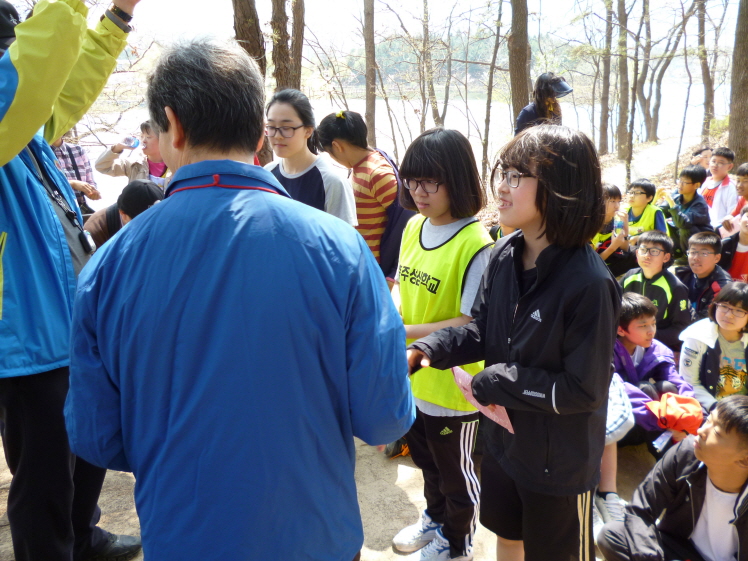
(634, 193)
(694, 253)
(736, 312)
(685, 182)
(720, 164)
(512, 177)
(427, 185)
(653, 251)
(286, 132)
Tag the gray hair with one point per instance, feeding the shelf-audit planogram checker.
(216, 90)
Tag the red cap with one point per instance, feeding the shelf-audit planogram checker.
(677, 412)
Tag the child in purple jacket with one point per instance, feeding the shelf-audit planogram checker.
(647, 368)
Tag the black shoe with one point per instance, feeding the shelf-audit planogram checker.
(118, 548)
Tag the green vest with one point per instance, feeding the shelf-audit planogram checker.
(431, 283)
(646, 221)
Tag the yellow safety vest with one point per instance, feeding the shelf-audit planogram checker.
(431, 284)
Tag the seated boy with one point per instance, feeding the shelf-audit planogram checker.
(735, 250)
(643, 215)
(703, 277)
(731, 222)
(688, 210)
(700, 486)
(646, 366)
(665, 291)
(719, 190)
(611, 242)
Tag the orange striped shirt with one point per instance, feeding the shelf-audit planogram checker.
(374, 189)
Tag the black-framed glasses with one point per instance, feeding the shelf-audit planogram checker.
(653, 251)
(286, 132)
(636, 193)
(428, 185)
(694, 253)
(512, 177)
(736, 312)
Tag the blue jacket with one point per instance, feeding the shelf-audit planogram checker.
(227, 346)
(49, 77)
(658, 364)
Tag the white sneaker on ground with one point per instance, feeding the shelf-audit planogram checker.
(611, 508)
(417, 535)
(438, 550)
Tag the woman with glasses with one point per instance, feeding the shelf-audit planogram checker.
(544, 321)
(307, 177)
(714, 356)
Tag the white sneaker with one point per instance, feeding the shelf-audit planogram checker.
(438, 550)
(416, 536)
(597, 522)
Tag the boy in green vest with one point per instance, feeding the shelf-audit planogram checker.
(652, 280)
(643, 214)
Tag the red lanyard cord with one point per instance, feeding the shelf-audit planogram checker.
(217, 183)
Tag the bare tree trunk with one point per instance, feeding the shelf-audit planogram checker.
(281, 55)
(634, 87)
(605, 95)
(297, 42)
(623, 81)
(738, 139)
(641, 80)
(428, 66)
(371, 73)
(389, 114)
(706, 75)
(519, 46)
(489, 98)
(688, 96)
(249, 36)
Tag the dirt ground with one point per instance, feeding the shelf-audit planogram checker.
(390, 495)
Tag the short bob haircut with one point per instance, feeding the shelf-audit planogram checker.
(712, 239)
(646, 185)
(724, 152)
(444, 155)
(742, 170)
(215, 90)
(147, 128)
(659, 238)
(732, 413)
(695, 174)
(611, 192)
(343, 125)
(635, 306)
(303, 108)
(570, 189)
(733, 293)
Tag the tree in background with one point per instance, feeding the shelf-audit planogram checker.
(519, 55)
(371, 71)
(623, 81)
(287, 61)
(605, 94)
(738, 139)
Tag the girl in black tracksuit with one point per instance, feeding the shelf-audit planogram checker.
(544, 322)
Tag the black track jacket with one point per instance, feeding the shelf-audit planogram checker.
(548, 361)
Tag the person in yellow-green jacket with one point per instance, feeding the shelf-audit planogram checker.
(52, 68)
(643, 215)
(443, 254)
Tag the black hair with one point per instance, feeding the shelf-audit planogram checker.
(733, 293)
(647, 186)
(611, 192)
(695, 174)
(712, 239)
(701, 150)
(303, 108)
(146, 127)
(215, 90)
(343, 125)
(742, 170)
(725, 153)
(634, 306)
(732, 413)
(570, 189)
(445, 155)
(743, 210)
(657, 237)
(544, 97)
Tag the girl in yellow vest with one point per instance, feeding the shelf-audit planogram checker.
(443, 254)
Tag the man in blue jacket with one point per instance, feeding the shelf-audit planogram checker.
(230, 342)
